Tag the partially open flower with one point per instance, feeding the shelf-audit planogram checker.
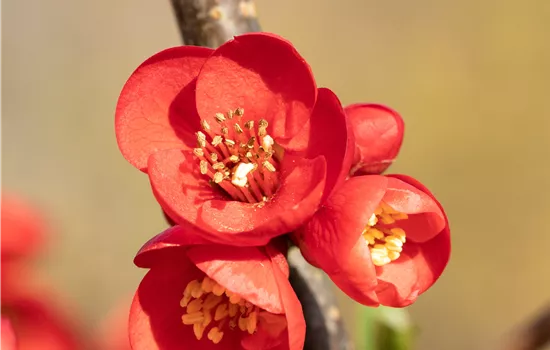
(212, 297)
(378, 132)
(229, 136)
(381, 239)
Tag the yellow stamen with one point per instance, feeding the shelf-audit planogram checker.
(209, 304)
(221, 312)
(385, 243)
(238, 142)
(192, 318)
(194, 306)
(198, 329)
(218, 289)
(215, 335)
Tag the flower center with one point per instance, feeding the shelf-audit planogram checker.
(208, 304)
(385, 239)
(238, 158)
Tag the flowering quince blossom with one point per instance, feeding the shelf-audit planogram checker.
(378, 134)
(198, 295)
(381, 239)
(234, 139)
(30, 318)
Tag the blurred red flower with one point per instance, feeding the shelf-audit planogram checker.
(38, 321)
(381, 239)
(23, 229)
(378, 132)
(234, 140)
(204, 296)
(33, 319)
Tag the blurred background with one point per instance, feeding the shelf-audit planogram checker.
(470, 78)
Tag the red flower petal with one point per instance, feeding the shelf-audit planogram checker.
(327, 135)
(378, 136)
(155, 315)
(330, 239)
(155, 110)
(178, 185)
(174, 237)
(298, 197)
(23, 228)
(426, 219)
(296, 324)
(263, 74)
(246, 271)
(402, 281)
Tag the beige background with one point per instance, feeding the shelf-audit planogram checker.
(471, 79)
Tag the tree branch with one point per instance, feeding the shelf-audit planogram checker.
(212, 22)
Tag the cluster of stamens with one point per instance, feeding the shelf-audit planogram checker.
(208, 304)
(238, 157)
(385, 240)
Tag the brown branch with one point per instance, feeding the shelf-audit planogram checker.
(534, 335)
(212, 22)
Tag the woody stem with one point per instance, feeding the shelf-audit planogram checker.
(212, 22)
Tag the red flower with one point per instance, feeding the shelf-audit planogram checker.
(37, 320)
(233, 139)
(23, 229)
(378, 134)
(381, 239)
(213, 297)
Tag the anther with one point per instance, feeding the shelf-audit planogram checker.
(220, 117)
(234, 158)
(238, 129)
(217, 140)
(249, 125)
(230, 114)
(204, 167)
(268, 166)
(225, 130)
(201, 138)
(229, 142)
(218, 166)
(198, 152)
(192, 318)
(218, 289)
(214, 157)
(215, 335)
(205, 125)
(239, 112)
(218, 177)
